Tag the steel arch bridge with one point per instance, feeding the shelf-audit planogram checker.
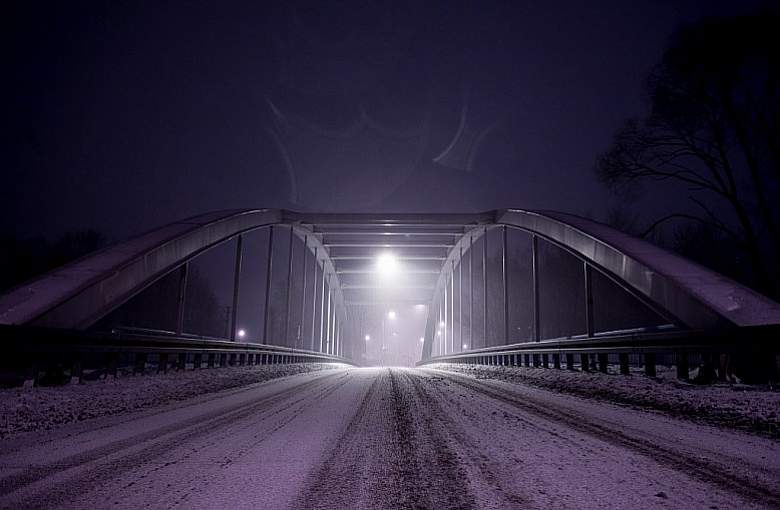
(537, 281)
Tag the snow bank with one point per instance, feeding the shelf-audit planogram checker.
(752, 408)
(41, 408)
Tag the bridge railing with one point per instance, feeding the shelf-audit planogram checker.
(757, 345)
(30, 353)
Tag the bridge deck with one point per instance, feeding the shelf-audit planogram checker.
(398, 438)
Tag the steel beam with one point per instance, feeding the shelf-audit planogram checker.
(182, 297)
(288, 297)
(268, 273)
(236, 286)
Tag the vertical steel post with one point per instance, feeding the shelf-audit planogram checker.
(444, 327)
(505, 277)
(460, 297)
(484, 288)
(471, 292)
(589, 328)
(327, 331)
(322, 307)
(336, 336)
(288, 304)
(268, 274)
(182, 297)
(314, 299)
(535, 281)
(236, 287)
(299, 338)
(452, 307)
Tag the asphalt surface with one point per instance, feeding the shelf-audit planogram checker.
(389, 438)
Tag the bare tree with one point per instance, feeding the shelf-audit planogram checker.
(714, 128)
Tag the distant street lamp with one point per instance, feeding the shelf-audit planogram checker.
(241, 333)
(368, 337)
(391, 315)
(465, 346)
(422, 340)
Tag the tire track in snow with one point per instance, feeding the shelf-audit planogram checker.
(704, 470)
(470, 452)
(389, 457)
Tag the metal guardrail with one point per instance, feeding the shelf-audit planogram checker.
(28, 351)
(597, 353)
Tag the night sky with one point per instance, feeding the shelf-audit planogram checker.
(122, 116)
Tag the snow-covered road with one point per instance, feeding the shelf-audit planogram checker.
(389, 438)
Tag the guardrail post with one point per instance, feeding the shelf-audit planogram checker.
(210, 362)
(556, 360)
(77, 371)
(223, 360)
(545, 360)
(182, 362)
(624, 368)
(649, 364)
(603, 363)
(584, 362)
(197, 361)
(569, 361)
(527, 359)
(162, 363)
(682, 365)
(140, 363)
(536, 360)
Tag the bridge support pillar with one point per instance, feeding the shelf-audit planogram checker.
(557, 361)
(650, 364)
(546, 360)
(569, 361)
(624, 369)
(603, 362)
(584, 363)
(681, 362)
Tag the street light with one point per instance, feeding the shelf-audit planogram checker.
(241, 333)
(391, 315)
(422, 340)
(368, 337)
(387, 264)
(465, 346)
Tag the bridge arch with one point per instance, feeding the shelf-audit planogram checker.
(686, 295)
